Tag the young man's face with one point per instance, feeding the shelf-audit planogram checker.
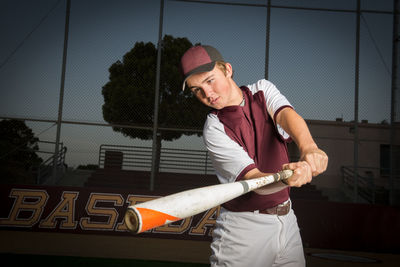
(212, 88)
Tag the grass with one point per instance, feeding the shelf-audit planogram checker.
(18, 260)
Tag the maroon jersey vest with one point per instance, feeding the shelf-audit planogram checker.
(253, 129)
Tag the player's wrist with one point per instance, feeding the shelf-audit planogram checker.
(309, 148)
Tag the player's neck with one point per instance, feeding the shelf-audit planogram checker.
(237, 94)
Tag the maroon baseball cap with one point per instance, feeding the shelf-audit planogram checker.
(197, 59)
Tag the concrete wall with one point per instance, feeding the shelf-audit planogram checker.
(336, 138)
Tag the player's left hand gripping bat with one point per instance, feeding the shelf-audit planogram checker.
(175, 207)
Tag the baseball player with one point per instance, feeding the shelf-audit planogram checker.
(246, 134)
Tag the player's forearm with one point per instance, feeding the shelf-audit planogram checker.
(297, 128)
(265, 190)
(254, 173)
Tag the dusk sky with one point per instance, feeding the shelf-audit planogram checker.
(312, 58)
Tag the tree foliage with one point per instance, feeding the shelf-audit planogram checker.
(18, 147)
(129, 93)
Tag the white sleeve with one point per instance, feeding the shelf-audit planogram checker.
(228, 157)
(274, 100)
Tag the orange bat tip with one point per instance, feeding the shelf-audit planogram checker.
(149, 219)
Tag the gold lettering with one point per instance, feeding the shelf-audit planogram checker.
(132, 200)
(65, 210)
(27, 209)
(110, 213)
(208, 220)
(174, 228)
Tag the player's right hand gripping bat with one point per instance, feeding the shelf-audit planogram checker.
(171, 208)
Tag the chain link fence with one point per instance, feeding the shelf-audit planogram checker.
(311, 50)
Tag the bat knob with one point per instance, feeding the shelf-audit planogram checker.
(132, 220)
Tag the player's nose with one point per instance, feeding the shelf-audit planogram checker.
(208, 92)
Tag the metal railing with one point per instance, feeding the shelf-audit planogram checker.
(373, 184)
(140, 158)
(45, 169)
(365, 183)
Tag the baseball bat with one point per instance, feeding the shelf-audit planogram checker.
(157, 212)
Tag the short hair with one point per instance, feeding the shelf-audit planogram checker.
(222, 66)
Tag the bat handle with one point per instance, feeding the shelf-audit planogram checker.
(283, 175)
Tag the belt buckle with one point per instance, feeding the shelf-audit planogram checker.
(280, 210)
(283, 209)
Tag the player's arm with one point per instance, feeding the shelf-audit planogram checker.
(310, 154)
(265, 190)
(231, 162)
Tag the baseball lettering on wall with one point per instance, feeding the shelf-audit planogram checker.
(164, 210)
(78, 210)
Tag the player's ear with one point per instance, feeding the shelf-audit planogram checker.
(229, 70)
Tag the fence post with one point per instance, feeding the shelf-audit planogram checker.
(356, 89)
(61, 100)
(267, 41)
(156, 98)
(393, 100)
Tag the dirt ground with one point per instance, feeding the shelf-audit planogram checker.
(130, 247)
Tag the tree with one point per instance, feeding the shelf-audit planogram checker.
(18, 147)
(129, 93)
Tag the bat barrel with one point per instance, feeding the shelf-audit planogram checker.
(161, 211)
(132, 220)
(139, 219)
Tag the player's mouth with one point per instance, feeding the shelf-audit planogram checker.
(214, 101)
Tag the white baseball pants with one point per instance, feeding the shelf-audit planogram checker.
(243, 239)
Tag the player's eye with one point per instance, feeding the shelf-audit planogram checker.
(196, 90)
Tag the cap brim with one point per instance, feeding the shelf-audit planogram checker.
(203, 68)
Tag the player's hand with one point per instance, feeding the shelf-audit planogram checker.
(317, 159)
(301, 173)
